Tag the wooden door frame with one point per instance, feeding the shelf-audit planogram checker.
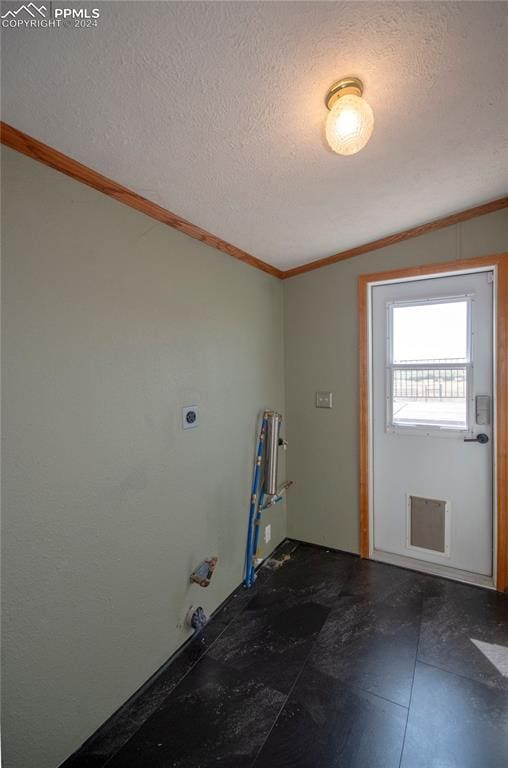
(499, 264)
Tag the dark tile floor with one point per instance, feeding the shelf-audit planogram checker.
(328, 662)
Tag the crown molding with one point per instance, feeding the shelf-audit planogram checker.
(35, 149)
(45, 154)
(399, 237)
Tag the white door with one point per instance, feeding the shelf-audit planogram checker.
(432, 384)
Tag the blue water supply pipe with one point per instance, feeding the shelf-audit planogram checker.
(265, 470)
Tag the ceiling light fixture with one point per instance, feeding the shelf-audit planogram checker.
(350, 121)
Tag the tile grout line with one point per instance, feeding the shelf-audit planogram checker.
(359, 687)
(370, 693)
(252, 765)
(412, 682)
(284, 703)
(457, 674)
(342, 593)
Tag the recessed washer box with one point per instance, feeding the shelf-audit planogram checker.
(190, 416)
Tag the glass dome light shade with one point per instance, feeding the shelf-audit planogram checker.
(349, 124)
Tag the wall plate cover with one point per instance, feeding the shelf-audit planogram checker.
(324, 400)
(190, 417)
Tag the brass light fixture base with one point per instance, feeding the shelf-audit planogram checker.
(342, 87)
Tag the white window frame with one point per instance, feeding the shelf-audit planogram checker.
(429, 430)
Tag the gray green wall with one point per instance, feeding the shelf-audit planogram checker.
(321, 343)
(112, 322)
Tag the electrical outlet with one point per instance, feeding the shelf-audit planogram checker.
(189, 417)
(268, 533)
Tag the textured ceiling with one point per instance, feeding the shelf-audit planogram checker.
(215, 110)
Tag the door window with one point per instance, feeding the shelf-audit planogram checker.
(429, 365)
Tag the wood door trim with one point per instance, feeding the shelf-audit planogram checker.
(45, 154)
(500, 263)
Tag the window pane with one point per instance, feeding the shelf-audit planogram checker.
(430, 396)
(430, 333)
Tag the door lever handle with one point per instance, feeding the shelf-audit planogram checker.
(481, 438)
